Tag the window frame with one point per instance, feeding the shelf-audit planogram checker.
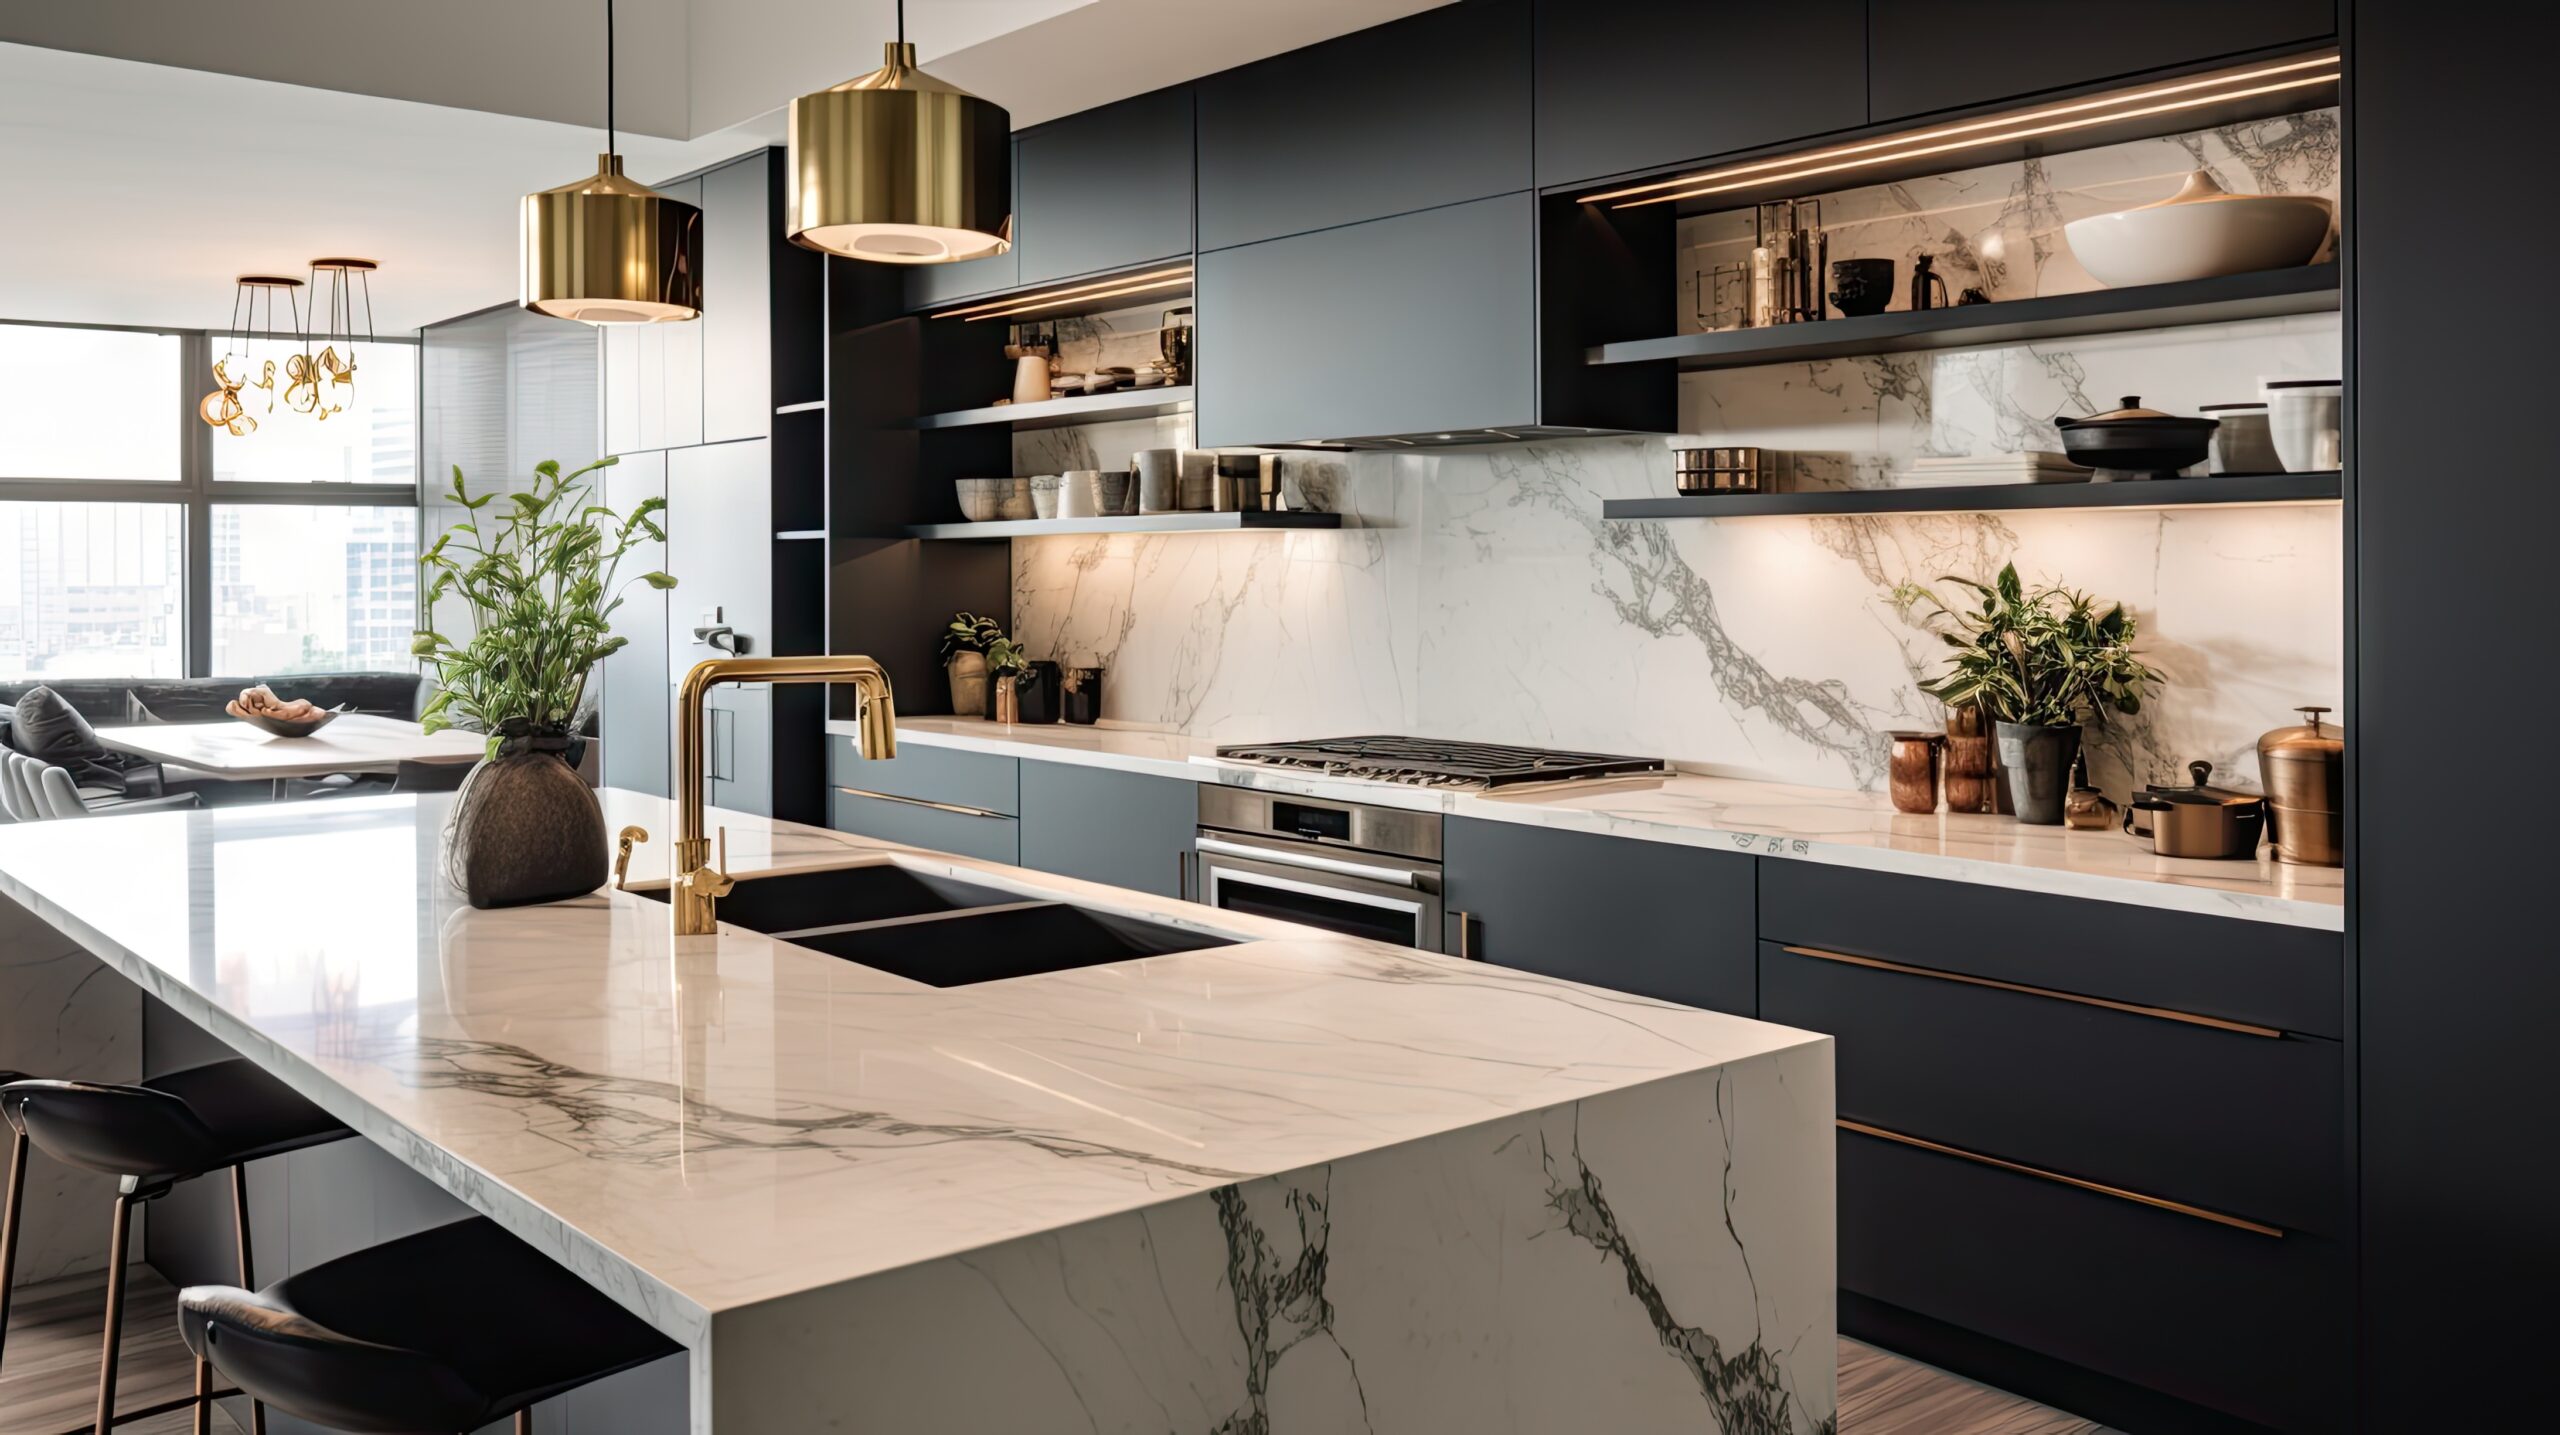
(194, 489)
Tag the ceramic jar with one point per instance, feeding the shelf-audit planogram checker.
(1969, 764)
(1914, 770)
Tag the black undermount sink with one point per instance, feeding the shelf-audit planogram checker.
(938, 931)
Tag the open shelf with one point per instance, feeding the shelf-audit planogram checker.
(2267, 293)
(813, 406)
(1141, 523)
(2234, 488)
(801, 535)
(1058, 413)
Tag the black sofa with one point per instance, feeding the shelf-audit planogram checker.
(112, 701)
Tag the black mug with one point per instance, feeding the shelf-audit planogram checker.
(1860, 287)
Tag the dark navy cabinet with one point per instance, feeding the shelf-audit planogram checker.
(931, 284)
(1419, 323)
(1425, 111)
(1947, 56)
(1122, 829)
(1652, 918)
(1642, 83)
(1104, 189)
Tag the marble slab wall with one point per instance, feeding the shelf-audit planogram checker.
(1477, 593)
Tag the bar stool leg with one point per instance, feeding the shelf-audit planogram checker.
(9, 1227)
(240, 1229)
(106, 1420)
(524, 1421)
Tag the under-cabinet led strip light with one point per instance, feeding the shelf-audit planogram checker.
(2106, 109)
(1058, 298)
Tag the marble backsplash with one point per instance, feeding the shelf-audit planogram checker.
(1477, 593)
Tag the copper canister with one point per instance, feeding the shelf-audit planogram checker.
(1914, 770)
(1970, 778)
(2304, 772)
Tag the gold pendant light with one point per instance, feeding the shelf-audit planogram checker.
(222, 408)
(605, 250)
(900, 167)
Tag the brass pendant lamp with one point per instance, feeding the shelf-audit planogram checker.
(605, 250)
(900, 168)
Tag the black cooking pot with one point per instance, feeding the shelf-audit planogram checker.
(2135, 442)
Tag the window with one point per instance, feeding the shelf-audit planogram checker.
(137, 542)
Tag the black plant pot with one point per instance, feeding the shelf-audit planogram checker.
(1036, 692)
(2035, 764)
(525, 827)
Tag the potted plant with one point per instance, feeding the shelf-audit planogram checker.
(2037, 665)
(539, 581)
(963, 652)
(1007, 663)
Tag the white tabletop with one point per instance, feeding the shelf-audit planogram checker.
(356, 742)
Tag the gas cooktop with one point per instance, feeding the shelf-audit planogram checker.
(1427, 762)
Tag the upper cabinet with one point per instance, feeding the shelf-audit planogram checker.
(1643, 83)
(1425, 111)
(1923, 58)
(739, 222)
(1411, 324)
(932, 284)
(1104, 189)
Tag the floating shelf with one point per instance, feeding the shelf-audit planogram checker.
(813, 406)
(800, 535)
(2234, 488)
(1058, 413)
(1142, 523)
(2268, 293)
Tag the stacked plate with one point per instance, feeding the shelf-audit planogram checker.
(1970, 470)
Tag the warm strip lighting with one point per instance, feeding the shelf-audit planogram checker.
(2107, 109)
(1053, 298)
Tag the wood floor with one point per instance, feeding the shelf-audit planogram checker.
(49, 1374)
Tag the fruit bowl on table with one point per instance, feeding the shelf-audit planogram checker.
(262, 710)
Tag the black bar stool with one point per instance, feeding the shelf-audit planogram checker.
(448, 1329)
(151, 1137)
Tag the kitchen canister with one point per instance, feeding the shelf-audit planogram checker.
(1044, 494)
(1914, 770)
(2307, 419)
(2243, 443)
(1080, 696)
(1080, 496)
(1199, 486)
(1159, 475)
(1115, 492)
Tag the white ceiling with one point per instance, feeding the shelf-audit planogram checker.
(152, 149)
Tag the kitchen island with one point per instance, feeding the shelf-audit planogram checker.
(1282, 1182)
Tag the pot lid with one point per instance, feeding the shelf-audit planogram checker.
(2132, 409)
(2133, 415)
(2202, 792)
(2313, 741)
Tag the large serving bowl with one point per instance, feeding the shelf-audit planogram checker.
(2198, 233)
(285, 727)
(983, 498)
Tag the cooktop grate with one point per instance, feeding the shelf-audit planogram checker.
(1428, 762)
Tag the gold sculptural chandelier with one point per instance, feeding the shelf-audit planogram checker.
(317, 384)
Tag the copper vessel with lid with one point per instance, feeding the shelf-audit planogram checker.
(2304, 772)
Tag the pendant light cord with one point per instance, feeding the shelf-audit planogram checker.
(902, 21)
(608, 75)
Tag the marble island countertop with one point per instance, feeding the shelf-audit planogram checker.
(700, 1125)
(1816, 824)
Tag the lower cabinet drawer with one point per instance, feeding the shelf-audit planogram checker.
(932, 774)
(2251, 1324)
(2246, 1121)
(990, 837)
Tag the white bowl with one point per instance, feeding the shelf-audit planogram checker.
(2198, 233)
(983, 498)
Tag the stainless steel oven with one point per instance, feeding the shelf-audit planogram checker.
(1344, 866)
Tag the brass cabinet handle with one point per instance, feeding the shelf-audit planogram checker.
(2130, 1008)
(2157, 1203)
(919, 802)
(1466, 935)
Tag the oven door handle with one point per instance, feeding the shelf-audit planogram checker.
(1391, 876)
(1218, 875)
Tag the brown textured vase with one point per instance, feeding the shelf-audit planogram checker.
(525, 828)
(1914, 770)
(1970, 783)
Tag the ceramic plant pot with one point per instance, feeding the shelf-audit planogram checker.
(968, 675)
(525, 827)
(2035, 762)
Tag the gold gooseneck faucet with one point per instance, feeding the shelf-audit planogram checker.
(699, 886)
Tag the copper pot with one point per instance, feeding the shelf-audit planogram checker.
(2304, 771)
(2199, 820)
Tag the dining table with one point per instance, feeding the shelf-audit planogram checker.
(351, 743)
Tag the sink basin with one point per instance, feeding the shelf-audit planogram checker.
(957, 949)
(795, 901)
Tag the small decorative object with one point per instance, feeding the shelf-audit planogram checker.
(2197, 233)
(260, 708)
(1246, 483)
(1720, 470)
(1032, 349)
(2085, 808)
(1722, 297)
(1002, 705)
(2303, 770)
(1016, 503)
(2134, 442)
(1006, 664)
(1914, 770)
(1062, 385)
(1199, 484)
(541, 583)
(1079, 493)
(1928, 287)
(1044, 494)
(1971, 296)
(1035, 691)
(1787, 262)
(1159, 478)
(1860, 287)
(1970, 775)
(982, 498)
(2304, 416)
(1080, 696)
(2039, 664)
(1173, 345)
(963, 651)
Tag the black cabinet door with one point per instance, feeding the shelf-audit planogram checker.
(1428, 110)
(1653, 918)
(929, 285)
(1641, 83)
(1971, 52)
(1124, 829)
(1421, 323)
(1104, 189)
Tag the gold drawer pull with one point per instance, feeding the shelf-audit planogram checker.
(2160, 1013)
(918, 802)
(2157, 1203)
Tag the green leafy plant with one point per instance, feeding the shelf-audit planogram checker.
(1007, 658)
(967, 633)
(2048, 658)
(540, 578)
